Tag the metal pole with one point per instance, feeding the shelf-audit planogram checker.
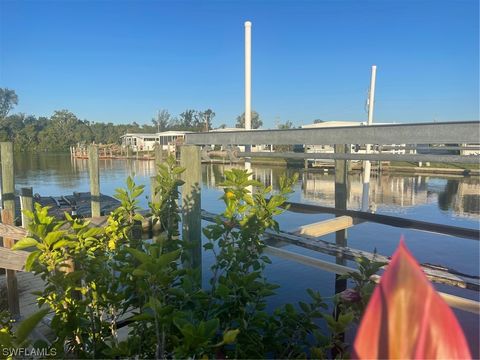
(248, 90)
(248, 75)
(367, 165)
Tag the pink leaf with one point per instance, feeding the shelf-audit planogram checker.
(407, 319)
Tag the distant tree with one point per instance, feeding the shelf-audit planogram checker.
(208, 115)
(256, 122)
(223, 126)
(284, 148)
(162, 121)
(287, 125)
(318, 121)
(187, 118)
(8, 100)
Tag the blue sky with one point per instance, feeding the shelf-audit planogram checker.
(121, 61)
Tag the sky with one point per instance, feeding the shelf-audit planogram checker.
(122, 61)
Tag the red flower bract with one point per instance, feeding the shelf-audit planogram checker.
(407, 319)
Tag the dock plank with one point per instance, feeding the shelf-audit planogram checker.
(326, 226)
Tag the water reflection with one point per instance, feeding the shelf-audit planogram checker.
(462, 197)
(55, 174)
(458, 195)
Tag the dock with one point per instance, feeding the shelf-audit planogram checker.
(308, 236)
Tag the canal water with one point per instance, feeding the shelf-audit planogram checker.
(434, 198)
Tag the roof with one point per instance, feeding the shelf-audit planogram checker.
(164, 133)
(333, 124)
(227, 129)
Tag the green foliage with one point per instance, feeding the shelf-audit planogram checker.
(256, 121)
(64, 129)
(10, 340)
(357, 298)
(8, 99)
(98, 277)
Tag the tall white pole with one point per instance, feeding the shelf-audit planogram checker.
(367, 165)
(248, 75)
(371, 96)
(248, 92)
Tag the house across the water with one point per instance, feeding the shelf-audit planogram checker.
(146, 142)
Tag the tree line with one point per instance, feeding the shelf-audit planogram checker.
(64, 129)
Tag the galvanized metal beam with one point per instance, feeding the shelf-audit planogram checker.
(419, 133)
(464, 159)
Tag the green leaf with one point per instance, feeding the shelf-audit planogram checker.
(167, 258)
(211, 327)
(27, 325)
(139, 272)
(31, 259)
(139, 255)
(230, 336)
(53, 237)
(304, 306)
(64, 243)
(25, 243)
(222, 290)
(141, 317)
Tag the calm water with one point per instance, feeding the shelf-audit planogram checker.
(446, 200)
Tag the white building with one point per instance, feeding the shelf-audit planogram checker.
(254, 148)
(146, 142)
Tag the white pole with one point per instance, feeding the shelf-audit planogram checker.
(248, 75)
(248, 92)
(367, 165)
(371, 97)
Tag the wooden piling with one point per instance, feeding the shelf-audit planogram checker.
(94, 179)
(158, 159)
(8, 217)
(26, 203)
(158, 153)
(190, 159)
(341, 196)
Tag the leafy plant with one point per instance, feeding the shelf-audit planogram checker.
(98, 278)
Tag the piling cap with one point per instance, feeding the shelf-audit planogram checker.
(248, 24)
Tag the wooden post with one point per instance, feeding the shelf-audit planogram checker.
(26, 203)
(8, 217)
(158, 154)
(341, 196)
(190, 159)
(94, 179)
(153, 181)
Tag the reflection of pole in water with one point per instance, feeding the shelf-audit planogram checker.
(367, 165)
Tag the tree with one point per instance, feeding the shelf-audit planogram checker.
(256, 122)
(163, 120)
(187, 118)
(8, 100)
(287, 125)
(318, 121)
(208, 115)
